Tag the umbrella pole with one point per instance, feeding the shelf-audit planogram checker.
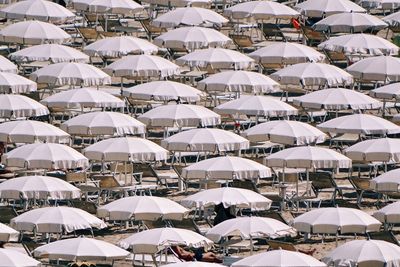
(251, 245)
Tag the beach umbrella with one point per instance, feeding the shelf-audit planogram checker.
(337, 99)
(389, 213)
(142, 208)
(216, 58)
(382, 149)
(382, 68)
(335, 220)
(80, 249)
(389, 91)
(56, 220)
(180, 3)
(364, 253)
(29, 131)
(119, 46)
(55, 53)
(8, 234)
(392, 19)
(124, 7)
(7, 66)
(45, 156)
(350, 22)
(238, 81)
(103, 123)
(33, 32)
(226, 167)
(142, 66)
(308, 157)
(260, 10)
(164, 91)
(249, 228)
(285, 132)
(13, 258)
(386, 182)
(42, 10)
(212, 140)
(283, 258)
(359, 124)
(322, 8)
(38, 187)
(82, 98)
(126, 149)
(285, 53)
(11, 83)
(153, 240)
(188, 16)
(227, 196)
(70, 73)
(311, 74)
(360, 43)
(14, 106)
(181, 115)
(192, 38)
(257, 106)
(380, 4)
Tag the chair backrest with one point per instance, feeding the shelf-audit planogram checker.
(88, 34)
(313, 37)
(150, 28)
(186, 223)
(360, 183)
(7, 213)
(242, 41)
(89, 207)
(245, 184)
(275, 244)
(322, 180)
(271, 30)
(108, 181)
(121, 167)
(159, 223)
(290, 178)
(76, 177)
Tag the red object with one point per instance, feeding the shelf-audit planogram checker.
(296, 23)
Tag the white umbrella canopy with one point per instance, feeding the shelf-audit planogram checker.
(286, 53)
(56, 220)
(189, 16)
(142, 208)
(337, 99)
(83, 97)
(383, 149)
(283, 258)
(226, 167)
(213, 140)
(38, 187)
(360, 43)
(28, 131)
(381, 4)
(42, 10)
(14, 106)
(13, 258)
(180, 3)
(350, 22)
(142, 66)
(227, 196)
(192, 38)
(382, 68)
(260, 10)
(335, 220)
(392, 19)
(70, 73)
(364, 253)
(124, 7)
(164, 91)
(250, 227)
(389, 213)
(238, 81)
(182, 115)
(45, 156)
(154, 240)
(80, 249)
(321, 8)
(257, 106)
(308, 157)
(7, 66)
(386, 182)
(359, 124)
(216, 58)
(126, 149)
(311, 74)
(55, 53)
(11, 83)
(390, 91)
(103, 123)
(285, 132)
(119, 46)
(8, 234)
(33, 32)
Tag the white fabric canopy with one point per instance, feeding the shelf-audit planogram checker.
(383, 149)
(381, 4)
(321, 8)
(142, 208)
(260, 10)
(13, 258)
(390, 91)
(7, 66)
(126, 149)
(393, 19)
(389, 213)
(11, 83)
(124, 7)
(8, 234)
(14, 106)
(213, 140)
(387, 182)
(382, 68)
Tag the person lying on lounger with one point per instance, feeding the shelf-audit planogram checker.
(198, 255)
